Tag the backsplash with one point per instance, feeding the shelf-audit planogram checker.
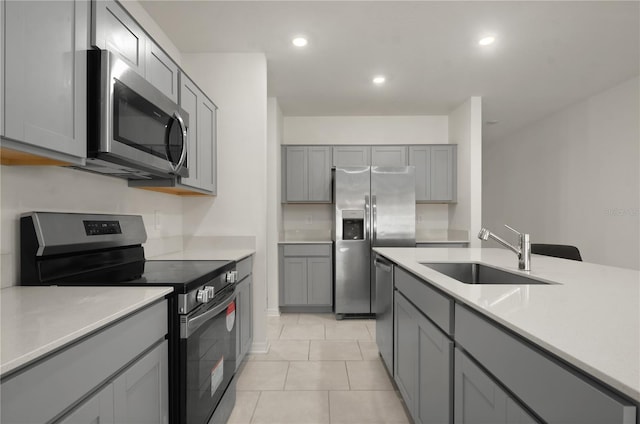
(42, 188)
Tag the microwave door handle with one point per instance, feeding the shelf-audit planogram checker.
(192, 324)
(183, 130)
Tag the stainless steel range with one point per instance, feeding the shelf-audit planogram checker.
(92, 249)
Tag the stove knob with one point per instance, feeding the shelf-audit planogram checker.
(232, 276)
(202, 296)
(211, 291)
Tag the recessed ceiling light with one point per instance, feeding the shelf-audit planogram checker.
(300, 41)
(485, 41)
(379, 79)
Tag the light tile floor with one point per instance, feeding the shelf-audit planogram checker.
(317, 371)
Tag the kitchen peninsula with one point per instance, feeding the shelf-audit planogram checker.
(564, 351)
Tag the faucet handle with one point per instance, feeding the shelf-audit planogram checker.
(514, 230)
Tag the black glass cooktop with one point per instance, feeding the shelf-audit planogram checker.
(182, 275)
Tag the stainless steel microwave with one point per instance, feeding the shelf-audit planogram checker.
(134, 130)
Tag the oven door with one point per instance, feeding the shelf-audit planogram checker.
(139, 125)
(207, 357)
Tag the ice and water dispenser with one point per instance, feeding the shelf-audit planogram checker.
(353, 224)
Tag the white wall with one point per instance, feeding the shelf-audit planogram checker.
(465, 130)
(365, 130)
(573, 178)
(274, 207)
(46, 188)
(237, 82)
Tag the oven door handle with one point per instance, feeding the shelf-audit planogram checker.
(190, 325)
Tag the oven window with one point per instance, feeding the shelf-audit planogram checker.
(138, 123)
(210, 364)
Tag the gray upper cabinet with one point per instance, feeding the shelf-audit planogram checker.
(351, 156)
(44, 85)
(436, 171)
(306, 174)
(389, 156)
(201, 153)
(161, 71)
(114, 30)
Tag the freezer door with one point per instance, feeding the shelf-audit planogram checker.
(393, 206)
(352, 246)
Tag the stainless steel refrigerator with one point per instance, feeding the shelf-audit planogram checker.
(374, 207)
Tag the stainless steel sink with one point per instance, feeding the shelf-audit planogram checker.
(474, 273)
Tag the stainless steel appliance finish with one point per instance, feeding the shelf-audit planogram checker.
(374, 206)
(384, 310)
(70, 249)
(135, 131)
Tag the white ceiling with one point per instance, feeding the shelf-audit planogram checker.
(548, 54)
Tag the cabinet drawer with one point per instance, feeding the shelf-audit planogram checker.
(61, 379)
(244, 267)
(307, 250)
(436, 306)
(555, 393)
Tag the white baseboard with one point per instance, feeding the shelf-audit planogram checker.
(273, 312)
(259, 347)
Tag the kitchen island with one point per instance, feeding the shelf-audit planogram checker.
(586, 319)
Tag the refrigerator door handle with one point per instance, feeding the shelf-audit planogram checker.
(374, 219)
(367, 220)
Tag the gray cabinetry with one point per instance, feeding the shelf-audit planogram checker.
(423, 364)
(44, 85)
(140, 394)
(351, 156)
(61, 385)
(389, 156)
(114, 30)
(161, 71)
(201, 153)
(244, 308)
(478, 399)
(306, 277)
(554, 392)
(436, 170)
(97, 409)
(306, 174)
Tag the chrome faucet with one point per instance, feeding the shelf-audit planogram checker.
(523, 250)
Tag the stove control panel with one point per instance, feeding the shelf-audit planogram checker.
(232, 277)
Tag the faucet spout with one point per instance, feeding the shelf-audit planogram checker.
(522, 250)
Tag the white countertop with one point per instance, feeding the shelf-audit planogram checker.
(211, 254)
(305, 237)
(36, 321)
(591, 318)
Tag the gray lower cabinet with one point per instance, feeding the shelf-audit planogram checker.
(423, 364)
(436, 172)
(553, 391)
(479, 400)
(306, 174)
(351, 156)
(306, 277)
(244, 306)
(126, 362)
(44, 85)
(97, 409)
(389, 156)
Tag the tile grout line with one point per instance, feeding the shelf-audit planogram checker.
(253, 413)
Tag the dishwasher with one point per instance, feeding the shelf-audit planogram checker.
(384, 310)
